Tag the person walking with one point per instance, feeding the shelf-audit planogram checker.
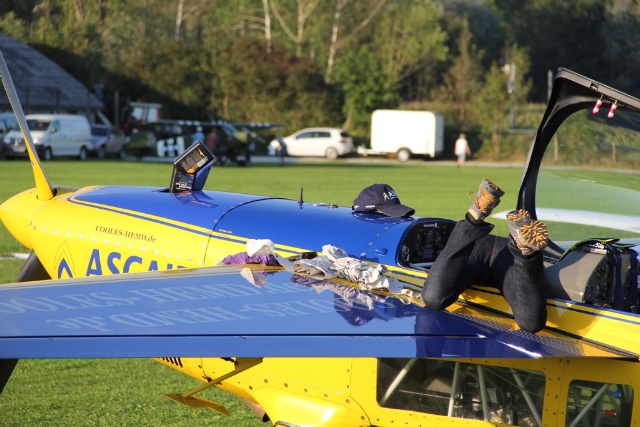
(198, 135)
(462, 149)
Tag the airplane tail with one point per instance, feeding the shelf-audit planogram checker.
(44, 189)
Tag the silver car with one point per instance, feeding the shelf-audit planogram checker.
(108, 141)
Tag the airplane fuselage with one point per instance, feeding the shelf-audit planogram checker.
(114, 229)
(355, 392)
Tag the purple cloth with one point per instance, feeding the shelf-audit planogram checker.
(244, 258)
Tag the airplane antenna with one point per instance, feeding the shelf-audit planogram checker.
(44, 189)
(300, 201)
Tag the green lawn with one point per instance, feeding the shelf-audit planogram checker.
(130, 392)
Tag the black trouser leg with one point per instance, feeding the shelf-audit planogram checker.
(458, 266)
(472, 256)
(523, 288)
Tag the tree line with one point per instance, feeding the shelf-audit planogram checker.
(332, 62)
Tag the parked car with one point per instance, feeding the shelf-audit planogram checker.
(327, 142)
(53, 135)
(8, 123)
(108, 141)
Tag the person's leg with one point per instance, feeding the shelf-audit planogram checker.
(465, 258)
(524, 290)
(519, 278)
(517, 270)
(462, 263)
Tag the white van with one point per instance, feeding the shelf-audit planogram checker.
(405, 133)
(53, 135)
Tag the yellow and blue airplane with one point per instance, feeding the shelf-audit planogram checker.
(299, 356)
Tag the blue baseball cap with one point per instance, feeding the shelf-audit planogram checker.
(383, 198)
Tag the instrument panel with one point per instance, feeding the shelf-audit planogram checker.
(424, 241)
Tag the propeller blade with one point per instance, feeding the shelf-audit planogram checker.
(44, 189)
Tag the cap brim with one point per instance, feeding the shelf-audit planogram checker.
(397, 210)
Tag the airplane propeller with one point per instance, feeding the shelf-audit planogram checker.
(44, 189)
(32, 269)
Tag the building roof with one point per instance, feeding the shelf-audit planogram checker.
(41, 84)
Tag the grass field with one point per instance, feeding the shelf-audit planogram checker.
(130, 392)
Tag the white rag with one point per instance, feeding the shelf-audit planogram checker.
(334, 262)
(260, 247)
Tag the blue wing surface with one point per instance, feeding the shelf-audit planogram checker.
(251, 312)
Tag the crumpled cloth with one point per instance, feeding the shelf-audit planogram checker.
(244, 258)
(255, 277)
(260, 247)
(259, 251)
(334, 262)
(349, 295)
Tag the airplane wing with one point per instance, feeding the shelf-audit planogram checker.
(252, 312)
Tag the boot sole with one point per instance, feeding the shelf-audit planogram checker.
(532, 233)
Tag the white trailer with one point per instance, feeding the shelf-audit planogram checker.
(405, 133)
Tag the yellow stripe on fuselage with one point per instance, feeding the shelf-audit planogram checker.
(608, 327)
(154, 218)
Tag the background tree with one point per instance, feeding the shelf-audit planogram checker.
(304, 9)
(406, 36)
(557, 33)
(522, 84)
(462, 79)
(391, 49)
(333, 62)
(339, 42)
(365, 87)
(491, 109)
(620, 33)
